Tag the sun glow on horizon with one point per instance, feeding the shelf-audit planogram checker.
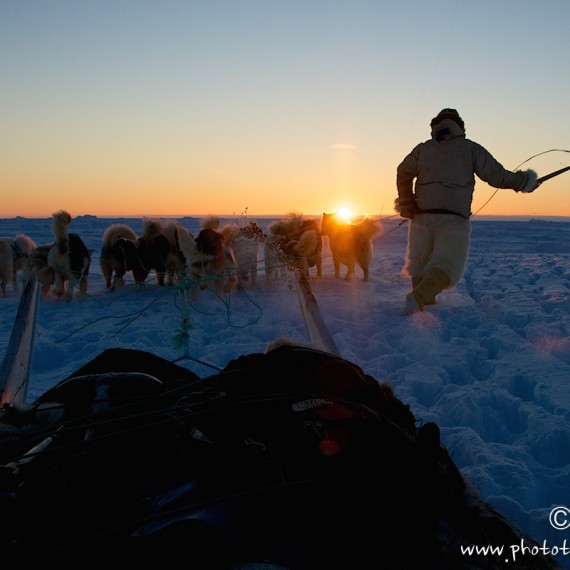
(345, 214)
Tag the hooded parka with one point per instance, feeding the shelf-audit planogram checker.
(445, 171)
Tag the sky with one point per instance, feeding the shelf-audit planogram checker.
(489, 363)
(186, 107)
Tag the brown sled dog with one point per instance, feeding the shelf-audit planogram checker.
(156, 250)
(37, 267)
(296, 242)
(113, 259)
(350, 243)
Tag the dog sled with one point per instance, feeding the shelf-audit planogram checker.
(294, 458)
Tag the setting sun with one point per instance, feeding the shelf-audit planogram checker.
(345, 213)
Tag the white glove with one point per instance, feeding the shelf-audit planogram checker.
(531, 184)
(406, 208)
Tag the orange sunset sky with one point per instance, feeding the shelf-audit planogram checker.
(191, 108)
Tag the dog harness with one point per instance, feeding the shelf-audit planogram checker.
(18, 251)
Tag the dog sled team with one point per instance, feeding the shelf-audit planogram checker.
(224, 257)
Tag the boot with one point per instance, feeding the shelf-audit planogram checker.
(433, 283)
(416, 280)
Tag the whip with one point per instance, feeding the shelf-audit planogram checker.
(551, 175)
(540, 180)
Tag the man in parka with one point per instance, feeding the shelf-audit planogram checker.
(439, 206)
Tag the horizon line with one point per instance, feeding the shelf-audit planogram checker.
(175, 216)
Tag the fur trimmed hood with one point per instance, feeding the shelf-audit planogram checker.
(446, 129)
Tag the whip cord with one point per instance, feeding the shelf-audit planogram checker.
(517, 167)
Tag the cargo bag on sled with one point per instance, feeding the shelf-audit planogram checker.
(294, 458)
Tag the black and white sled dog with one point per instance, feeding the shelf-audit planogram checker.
(13, 257)
(209, 259)
(69, 258)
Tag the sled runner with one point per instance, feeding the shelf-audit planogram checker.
(15, 369)
(315, 326)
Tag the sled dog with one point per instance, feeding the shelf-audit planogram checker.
(350, 244)
(69, 258)
(37, 266)
(245, 241)
(208, 258)
(295, 243)
(13, 258)
(113, 259)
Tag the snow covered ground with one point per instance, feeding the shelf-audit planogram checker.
(490, 363)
